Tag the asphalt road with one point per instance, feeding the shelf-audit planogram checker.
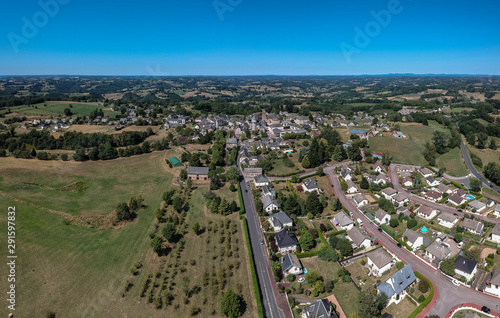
(449, 295)
(264, 277)
(473, 170)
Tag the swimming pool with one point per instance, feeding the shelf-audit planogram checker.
(470, 197)
(424, 229)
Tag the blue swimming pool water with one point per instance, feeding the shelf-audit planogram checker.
(424, 229)
(470, 197)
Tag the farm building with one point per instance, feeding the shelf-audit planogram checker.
(175, 162)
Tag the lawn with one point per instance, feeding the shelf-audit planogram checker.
(462, 313)
(346, 293)
(279, 168)
(491, 194)
(56, 108)
(76, 271)
(403, 309)
(406, 150)
(360, 273)
(486, 155)
(453, 162)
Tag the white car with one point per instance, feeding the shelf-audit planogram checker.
(455, 282)
(302, 279)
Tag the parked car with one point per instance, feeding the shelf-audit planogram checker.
(485, 309)
(399, 245)
(302, 279)
(379, 229)
(261, 241)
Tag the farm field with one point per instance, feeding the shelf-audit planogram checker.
(56, 108)
(91, 267)
(453, 162)
(406, 150)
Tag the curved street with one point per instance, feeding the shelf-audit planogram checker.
(447, 295)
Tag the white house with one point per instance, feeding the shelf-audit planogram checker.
(360, 200)
(493, 285)
(290, 264)
(378, 167)
(407, 182)
(346, 174)
(447, 219)
(341, 219)
(359, 237)
(269, 204)
(496, 212)
(472, 226)
(437, 251)
(379, 261)
(286, 241)
(388, 193)
(399, 199)
(395, 287)
(456, 199)
(381, 179)
(382, 217)
(310, 185)
(280, 220)
(415, 239)
(465, 267)
(495, 233)
(426, 212)
(261, 181)
(444, 189)
(477, 205)
(431, 181)
(351, 187)
(426, 172)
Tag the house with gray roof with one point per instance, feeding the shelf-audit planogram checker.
(394, 287)
(465, 267)
(359, 199)
(286, 241)
(473, 226)
(231, 142)
(443, 188)
(290, 264)
(341, 219)
(415, 239)
(197, 173)
(495, 233)
(496, 211)
(493, 284)
(382, 217)
(266, 190)
(437, 251)
(359, 237)
(426, 212)
(261, 181)
(322, 308)
(447, 219)
(456, 199)
(351, 187)
(476, 205)
(399, 199)
(388, 193)
(379, 261)
(280, 220)
(310, 185)
(270, 204)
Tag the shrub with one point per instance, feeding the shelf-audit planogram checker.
(423, 286)
(421, 298)
(290, 278)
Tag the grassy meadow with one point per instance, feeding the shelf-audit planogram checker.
(56, 108)
(453, 162)
(407, 150)
(77, 271)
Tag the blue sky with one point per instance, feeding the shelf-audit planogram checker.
(249, 37)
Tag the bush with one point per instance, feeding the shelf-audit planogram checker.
(290, 278)
(394, 222)
(423, 286)
(421, 298)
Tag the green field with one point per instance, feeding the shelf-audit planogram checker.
(486, 155)
(56, 108)
(76, 271)
(406, 150)
(453, 162)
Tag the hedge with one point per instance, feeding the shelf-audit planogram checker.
(337, 233)
(242, 206)
(400, 241)
(256, 290)
(421, 307)
(307, 254)
(458, 185)
(321, 237)
(388, 230)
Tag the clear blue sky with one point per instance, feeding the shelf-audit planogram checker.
(188, 37)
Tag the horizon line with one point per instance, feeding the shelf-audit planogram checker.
(258, 75)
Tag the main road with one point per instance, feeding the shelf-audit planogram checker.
(449, 295)
(473, 170)
(260, 257)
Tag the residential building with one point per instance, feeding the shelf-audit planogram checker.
(388, 193)
(231, 142)
(456, 199)
(341, 219)
(251, 172)
(496, 211)
(477, 205)
(407, 182)
(290, 264)
(280, 220)
(346, 174)
(426, 212)
(447, 219)
(437, 251)
(286, 241)
(261, 181)
(310, 185)
(431, 181)
(473, 226)
(381, 179)
(197, 173)
(495, 233)
(322, 308)
(433, 195)
(270, 204)
(443, 189)
(378, 167)
(493, 284)
(465, 267)
(425, 172)
(382, 217)
(415, 239)
(395, 287)
(379, 261)
(360, 200)
(359, 237)
(266, 190)
(351, 187)
(399, 199)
